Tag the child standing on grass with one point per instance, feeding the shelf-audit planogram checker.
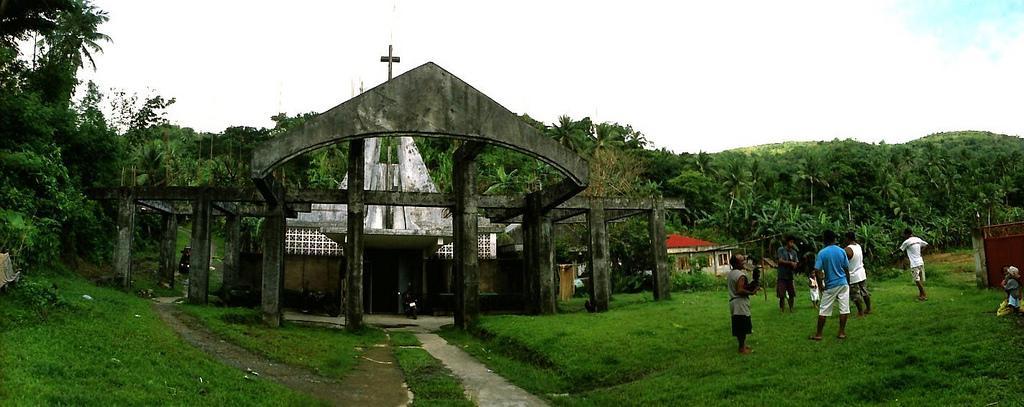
(812, 285)
(1011, 283)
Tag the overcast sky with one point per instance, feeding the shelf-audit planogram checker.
(692, 76)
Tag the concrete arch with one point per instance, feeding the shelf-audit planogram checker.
(426, 101)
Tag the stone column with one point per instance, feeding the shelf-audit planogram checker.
(980, 263)
(273, 264)
(125, 234)
(354, 239)
(466, 250)
(232, 251)
(539, 248)
(546, 265)
(531, 290)
(600, 268)
(168, 249)
(199, 262)
(659, 250)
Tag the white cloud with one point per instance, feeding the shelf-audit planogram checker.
(692, 76)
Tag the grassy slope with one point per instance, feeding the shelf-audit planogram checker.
(330, 352)
(99, 353)
(949, 350)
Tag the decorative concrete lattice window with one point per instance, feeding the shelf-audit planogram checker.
(310, 242)
(487, 245)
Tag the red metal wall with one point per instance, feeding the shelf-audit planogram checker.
(1002, 251)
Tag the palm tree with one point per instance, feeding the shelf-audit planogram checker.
(570, 133)
(703, 162)
(77, 34)
(608, 135)
(812, 171)
(735, 176)
(634, 139)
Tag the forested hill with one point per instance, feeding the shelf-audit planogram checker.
(944, 138)
(942, 185)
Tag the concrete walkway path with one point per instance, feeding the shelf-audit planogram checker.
(484, 387)
(376, 381)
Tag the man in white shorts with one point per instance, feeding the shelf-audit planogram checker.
(831, 266)
(913, 246)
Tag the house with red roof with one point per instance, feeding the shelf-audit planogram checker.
(688, 254)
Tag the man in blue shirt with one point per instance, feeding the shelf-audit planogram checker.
(831, 266)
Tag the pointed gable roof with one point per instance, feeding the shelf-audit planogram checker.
(426, 101)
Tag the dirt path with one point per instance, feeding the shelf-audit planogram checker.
(485, 388)
(375, 381)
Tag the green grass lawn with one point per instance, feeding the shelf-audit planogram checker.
(950, 350)
(111, 350)
(430, 382)
(333, 352)
(328, 351)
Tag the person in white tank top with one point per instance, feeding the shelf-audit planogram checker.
(858, 276)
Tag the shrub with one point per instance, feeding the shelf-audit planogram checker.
(695, 282)
(631, 283)
(30, 302)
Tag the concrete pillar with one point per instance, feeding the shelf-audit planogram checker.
(600, 267)
(980, 263)
(546, 265)
(199, 262)
(354, 243)
(466, 251)
(273, 264)
(232, 251)
(659, 251)
(531, 289)
(125, 234)
(539, 259)
(169, 249)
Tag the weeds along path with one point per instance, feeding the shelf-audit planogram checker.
(485, 387)
(375, 381)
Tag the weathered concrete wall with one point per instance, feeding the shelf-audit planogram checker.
(199, 262)
(315, 273)
(492, 279)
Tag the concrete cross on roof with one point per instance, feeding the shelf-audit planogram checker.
(390, 59)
